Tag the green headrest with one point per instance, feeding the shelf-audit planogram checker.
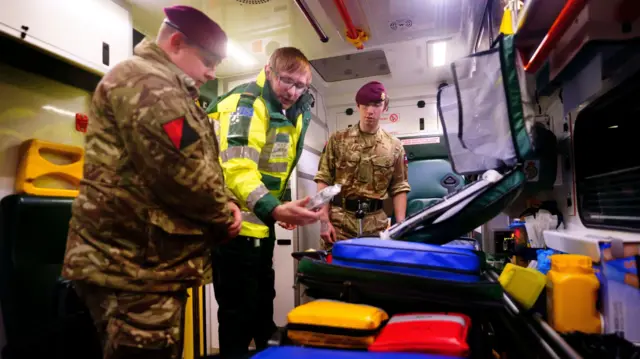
(432, 179)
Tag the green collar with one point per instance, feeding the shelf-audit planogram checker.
(261, 87)
(273, 105)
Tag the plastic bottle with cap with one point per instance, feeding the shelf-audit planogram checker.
(572, 291)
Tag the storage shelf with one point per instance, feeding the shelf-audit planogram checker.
(581, 242)
(534, 20)
(581, 32)
(574, 244)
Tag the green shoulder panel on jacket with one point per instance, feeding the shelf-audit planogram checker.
(213, 107)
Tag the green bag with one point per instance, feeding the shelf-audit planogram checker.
(324, 280)
(487, 117)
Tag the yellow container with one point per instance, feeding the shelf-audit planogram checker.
(37, 162)
(572, 290)
(523, 284)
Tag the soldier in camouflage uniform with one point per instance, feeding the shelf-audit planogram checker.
(153, 200)
(370, 164)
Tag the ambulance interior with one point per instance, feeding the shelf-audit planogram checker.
(579, 63)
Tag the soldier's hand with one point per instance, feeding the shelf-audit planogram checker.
(236, 225)
(287, 226)
(296, 213)
(327, 232)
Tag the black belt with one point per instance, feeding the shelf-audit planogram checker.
(353, 204)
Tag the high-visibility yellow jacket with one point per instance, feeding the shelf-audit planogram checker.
(259, 147)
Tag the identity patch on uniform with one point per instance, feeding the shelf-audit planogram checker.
(244, 111)
(282, 138)
(280, 151)
(180, 133)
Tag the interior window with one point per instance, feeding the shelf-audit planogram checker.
(607, 159)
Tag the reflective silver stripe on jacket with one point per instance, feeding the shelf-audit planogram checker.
(256, 195)
(273, 166)
(240, 152)
(251, 218)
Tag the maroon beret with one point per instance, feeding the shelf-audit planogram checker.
(371, 92)
(198, 28)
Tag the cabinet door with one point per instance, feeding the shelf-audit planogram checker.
(400, 119)
(407, 118)
(114, 29)
(74, 29)
(14, 14)
(61, 24)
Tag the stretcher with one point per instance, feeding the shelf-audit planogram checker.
(487, 121)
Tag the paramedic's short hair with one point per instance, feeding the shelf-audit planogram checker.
(289, 59)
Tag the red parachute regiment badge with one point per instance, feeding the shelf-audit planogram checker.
(180, 133)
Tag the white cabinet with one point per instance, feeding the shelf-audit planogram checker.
(13, 14)
(95, 34)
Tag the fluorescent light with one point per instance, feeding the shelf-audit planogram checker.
(613, 126)
(438, 53)
(239, 54)
(58, 110)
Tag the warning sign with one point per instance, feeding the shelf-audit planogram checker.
(420, 141)
(394, 117)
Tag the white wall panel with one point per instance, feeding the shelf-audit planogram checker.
(316, 136)
(309, 235)
(308, 163)
(401, 118)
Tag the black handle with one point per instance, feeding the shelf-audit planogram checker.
(283, 242)
(106, 57)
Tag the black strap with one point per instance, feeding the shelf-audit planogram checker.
(497, 40)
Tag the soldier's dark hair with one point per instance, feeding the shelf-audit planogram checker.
(289, 59)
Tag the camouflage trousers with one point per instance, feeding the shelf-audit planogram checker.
(347, 227)
(136, 325)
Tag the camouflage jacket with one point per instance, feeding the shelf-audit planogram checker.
(153, 196)
(367, 165)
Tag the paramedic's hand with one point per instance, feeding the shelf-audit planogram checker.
(295, 213)
(287, 226)
(327, 232)
(234, 227)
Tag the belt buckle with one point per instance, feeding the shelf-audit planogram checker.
(364, 205)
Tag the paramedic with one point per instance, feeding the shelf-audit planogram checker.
(152, 202)
(261, 127)
(370, 164)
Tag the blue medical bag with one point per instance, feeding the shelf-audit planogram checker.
(418, 259)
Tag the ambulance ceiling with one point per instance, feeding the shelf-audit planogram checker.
(404, 36)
